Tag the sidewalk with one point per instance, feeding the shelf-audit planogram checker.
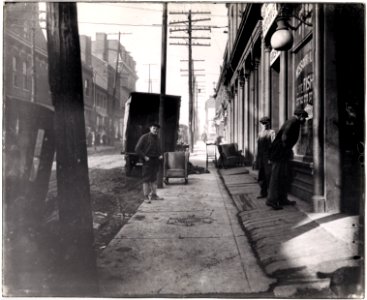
(189, 244)
(293, 244)
(100, 148)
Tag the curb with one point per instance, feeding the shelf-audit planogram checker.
(290, 246)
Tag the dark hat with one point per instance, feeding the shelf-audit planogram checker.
(299, 111)
(155, 124)
(265, 120)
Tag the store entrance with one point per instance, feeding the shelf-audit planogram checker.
(350, 77)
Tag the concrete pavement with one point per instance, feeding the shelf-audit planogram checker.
(189, 244)
(214, 238)
(293, 244)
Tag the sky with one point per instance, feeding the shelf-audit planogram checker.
(141, 31)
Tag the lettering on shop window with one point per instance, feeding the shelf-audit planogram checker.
(304, 97)
(304, 80)
(304, 91)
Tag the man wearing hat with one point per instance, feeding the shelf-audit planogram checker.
(265, 138)
(149, 149)
(280, 154)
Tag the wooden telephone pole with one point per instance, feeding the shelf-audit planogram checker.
(188, 27)
(113, 112)
(163, 90)
(77, 262)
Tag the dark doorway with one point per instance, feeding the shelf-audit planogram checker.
(350, 62)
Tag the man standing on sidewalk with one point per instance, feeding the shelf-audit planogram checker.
(280, 155)
(263, 164)
(148, 148)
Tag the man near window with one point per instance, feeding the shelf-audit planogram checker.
(280, 155)
(265, 138)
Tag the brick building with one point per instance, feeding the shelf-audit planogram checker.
(26, 71)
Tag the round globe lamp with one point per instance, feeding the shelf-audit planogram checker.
(282, 38)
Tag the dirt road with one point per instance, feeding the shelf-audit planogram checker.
(114, 197)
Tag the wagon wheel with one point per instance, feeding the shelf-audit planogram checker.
(128, 167)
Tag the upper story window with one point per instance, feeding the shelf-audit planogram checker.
(26, 30)
(14, 63)
(15, 72)
(25, 77)
(87, 87)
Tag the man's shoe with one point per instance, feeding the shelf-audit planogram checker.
(274, 206)
(156, 197)
(147, 199)
(261, 196)
(288, 202)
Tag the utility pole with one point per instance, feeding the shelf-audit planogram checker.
(33, 56)
(163, 90)
(188, 27)
(113, 112)
(95, 110)
(191, 92)
(77, 262)
(33, 64)
(149, 83)
(150, 87)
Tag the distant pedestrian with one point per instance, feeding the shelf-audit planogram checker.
(219, 140)
(280, 154)
(204, 137)
(149, 149)
(265, 138)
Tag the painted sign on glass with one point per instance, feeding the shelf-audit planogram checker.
(304, 97)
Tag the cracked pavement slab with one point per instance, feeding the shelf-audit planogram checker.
(189, 243)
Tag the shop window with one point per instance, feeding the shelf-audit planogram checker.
(304, 12)
(304, 97)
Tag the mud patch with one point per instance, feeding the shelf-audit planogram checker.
(190, 220)
(123, 249)
(139, 217)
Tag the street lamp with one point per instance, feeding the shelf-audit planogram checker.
(282, 38)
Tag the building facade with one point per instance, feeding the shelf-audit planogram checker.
(25, 67)
(315, 70)
(105, 90)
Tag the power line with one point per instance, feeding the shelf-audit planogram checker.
(130, 7)
(187, 27)
(121, 24)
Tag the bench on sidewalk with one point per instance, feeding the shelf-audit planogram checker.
(230, 156)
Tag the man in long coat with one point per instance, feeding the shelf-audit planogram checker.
(280, 155)
(149, 149)
(265, 138)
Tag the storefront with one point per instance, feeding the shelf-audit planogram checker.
(308, 70)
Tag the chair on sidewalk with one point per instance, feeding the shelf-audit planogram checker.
(175, 165)
(230, 156)
(211, 154)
